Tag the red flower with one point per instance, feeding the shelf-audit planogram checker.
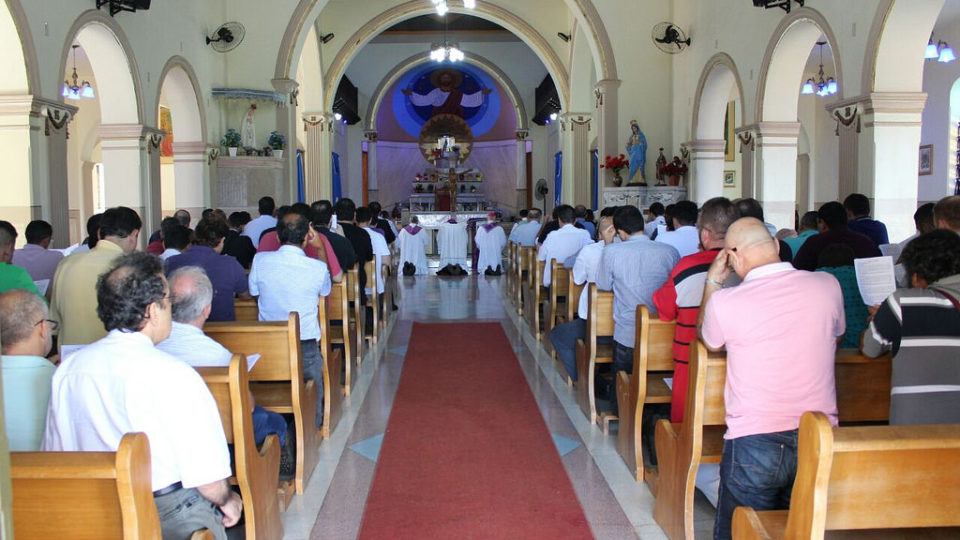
(675, 168)
(615, 163)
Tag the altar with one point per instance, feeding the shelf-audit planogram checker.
(431, 221)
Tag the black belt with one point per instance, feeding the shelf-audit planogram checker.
(168, 490)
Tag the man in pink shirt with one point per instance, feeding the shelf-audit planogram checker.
(780, 329)
(269, 241)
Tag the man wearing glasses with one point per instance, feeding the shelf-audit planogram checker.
(26, 334)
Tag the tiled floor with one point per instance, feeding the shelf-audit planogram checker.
(332, 508)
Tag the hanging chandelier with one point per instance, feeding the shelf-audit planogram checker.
(442, 7)
(446, 51)
(820, 86)
(939, 51)
(74, 90)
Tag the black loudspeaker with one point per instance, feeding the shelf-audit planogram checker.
(116, 6)
(138, 4)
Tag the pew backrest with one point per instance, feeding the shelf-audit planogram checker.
(277, 343)
(574, 291)
(85, 495)
(654, 342)
(599, 315)
(247, 310)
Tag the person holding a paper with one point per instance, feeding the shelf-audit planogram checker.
(191, 296)
(921, 326)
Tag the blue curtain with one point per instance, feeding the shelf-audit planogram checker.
(595, 175)
(336, 177)
(300, 194)
(557, 178)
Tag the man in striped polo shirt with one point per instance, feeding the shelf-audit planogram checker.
(921, 326)
(679, 298)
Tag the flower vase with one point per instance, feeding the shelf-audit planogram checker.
(233, 151)
(278, 154)
(617, 179)
(674, 180)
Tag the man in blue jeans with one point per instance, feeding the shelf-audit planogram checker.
(780, 329)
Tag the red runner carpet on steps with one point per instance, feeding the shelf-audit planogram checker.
(466, 453)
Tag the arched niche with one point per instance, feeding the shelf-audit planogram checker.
(719, 81)
(180, 88)
(894, 61)
(182, 178)
(18, 63)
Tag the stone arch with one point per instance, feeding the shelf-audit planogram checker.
(179, 83)
(589, 19)
(782, 69)
(894, 61)
(414, 8)
(376, 99)
(185, 188)
(19, 61)
(582, 64)
(113, 64)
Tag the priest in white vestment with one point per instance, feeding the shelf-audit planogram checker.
(490, 239)
(413, 242)
(452, 243)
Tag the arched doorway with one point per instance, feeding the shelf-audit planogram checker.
(183, 150)
(717, 111)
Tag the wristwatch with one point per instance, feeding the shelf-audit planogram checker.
(712, 281)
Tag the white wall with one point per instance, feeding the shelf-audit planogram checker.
(939, 129)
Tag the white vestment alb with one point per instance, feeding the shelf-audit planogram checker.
(491, 244)
(413, 249)
(452, 244)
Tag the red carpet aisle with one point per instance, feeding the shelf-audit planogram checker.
(466, 453)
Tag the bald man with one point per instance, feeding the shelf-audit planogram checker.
(780, 329)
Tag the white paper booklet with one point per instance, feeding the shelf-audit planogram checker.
(875, 279)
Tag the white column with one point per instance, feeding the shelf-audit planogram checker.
(521, 184)
(706, 162)
(286, 124)
(373, 184)
(575, 132)
(775, 162)
(888, 158)
(319, 129)
(608, 128)
(131, 169)
(190, 191)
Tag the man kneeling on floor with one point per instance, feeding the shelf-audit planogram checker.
(191, 295)
(123, 383)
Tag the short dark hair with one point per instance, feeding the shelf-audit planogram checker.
(564, 213)
(266, 206)
(609, 211)
(168, 224)
(749, 207)
(858, 204)
(523, 213)
(833, 214)
(933, 256)
(923, 218)
(293, 228)
(8, 233)
(302, 209)
(37, 231)
(207, 212)
(93, 229)
(363, 214)
(346, 209)
(810, 220)
(119, 221)
(580, 211)
(177, 238)
(183, 216)
(685, 212)
(322, 216)
(628, 219)
(210, 231)
(948, 209)
(656, 209)
(236, 220)
(836, 255)
(668, 213)
(534, 213)
(717, 214)
(124, 292)
(375, 208)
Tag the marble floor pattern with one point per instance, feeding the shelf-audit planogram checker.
(615, 505)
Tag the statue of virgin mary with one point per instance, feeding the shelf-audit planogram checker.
(637, 150)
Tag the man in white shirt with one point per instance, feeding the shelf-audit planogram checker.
(413, 243)
(656, 219)
(266, 221)
(123, 383)
(381, 250)
(191, 296)
(563, 242)
(684, 236)
(525, 234)
(287, 280)
(452, 244)
(490, 240)
(36, 257)
(564, 337)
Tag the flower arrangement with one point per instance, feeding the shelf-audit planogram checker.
(675, 168)
(615, 163)
(276, 140)
(231, 139)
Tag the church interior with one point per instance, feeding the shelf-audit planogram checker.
(454, 417)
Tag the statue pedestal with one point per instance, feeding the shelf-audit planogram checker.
(643, 196)
(239, 182)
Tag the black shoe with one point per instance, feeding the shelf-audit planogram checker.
(288, 456)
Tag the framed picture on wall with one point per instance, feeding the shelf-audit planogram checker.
(729, 179)
(166, 146)
(729, 140)
(926, 160)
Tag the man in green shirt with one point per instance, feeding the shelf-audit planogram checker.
(12, 277)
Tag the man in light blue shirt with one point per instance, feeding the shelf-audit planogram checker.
(26, 335)
(525, 234)
(633, 269)
(287, 280)
(809, 226)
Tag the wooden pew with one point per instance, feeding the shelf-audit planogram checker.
(511, 269)
(524, 257)
(247, 310)
(358, 315)
(86, 495)
(681, 449)
(589, 353)
(332, 371)
(338, 310)
(559, 298)
(652, 363)
(573, 298)
(277, 380)
(860, 478)
(386, 300)
(255, 471)
(534, 297)
(373, 300)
